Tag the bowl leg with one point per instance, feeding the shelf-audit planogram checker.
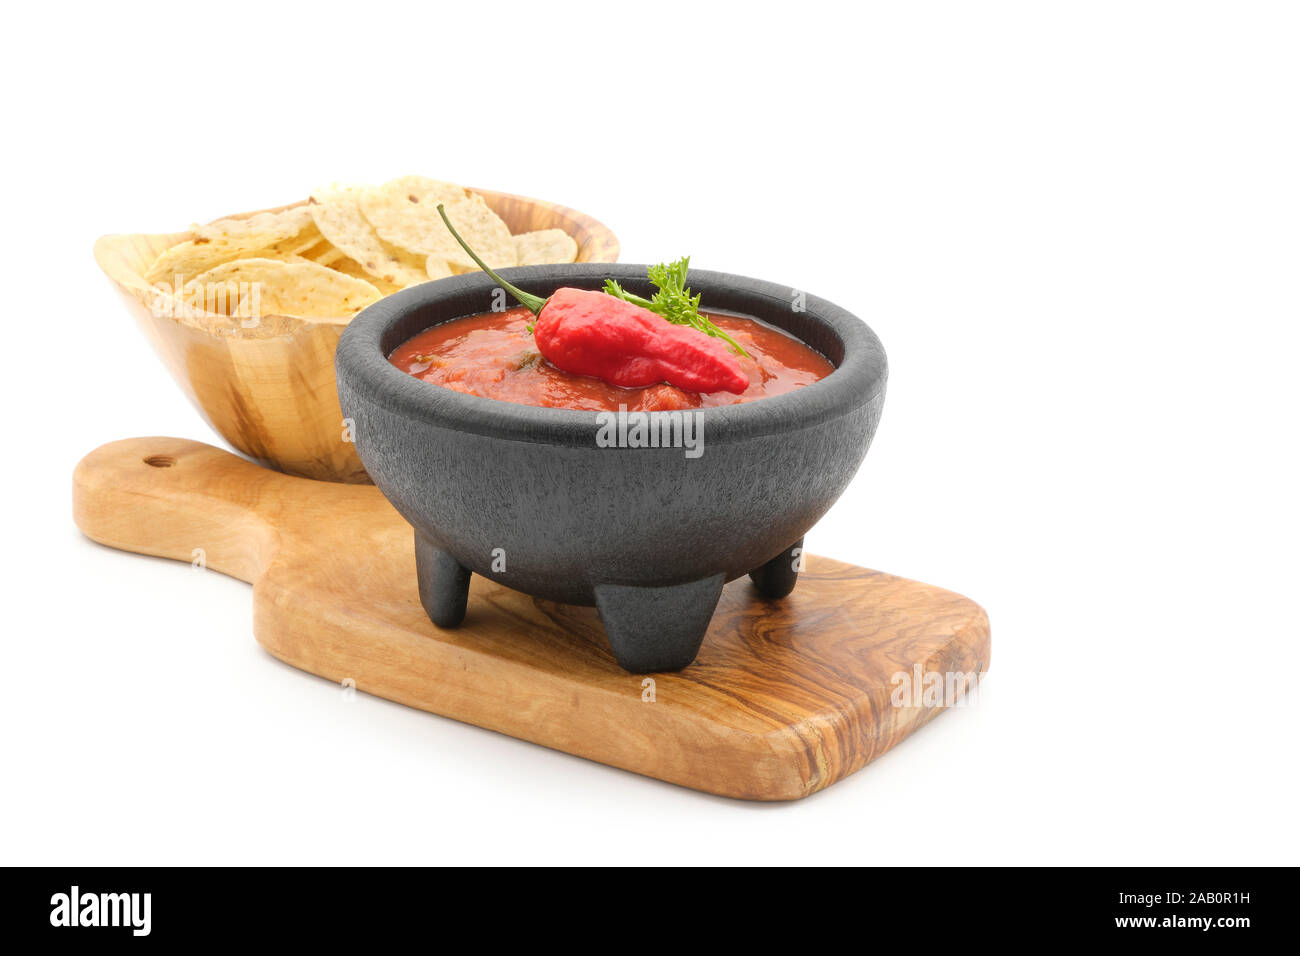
(777, 578)
(657, 629)
(444, 583)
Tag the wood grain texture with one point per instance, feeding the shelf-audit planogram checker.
(786, 697)
(269, 390)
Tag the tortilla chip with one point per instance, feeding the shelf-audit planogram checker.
(294, 245)
(267, 235)
(323, 252)
(405, 213)
(544, 247)
(280, 225)
(304, 289)
(353, 268)
(337, 212)
(198, 298)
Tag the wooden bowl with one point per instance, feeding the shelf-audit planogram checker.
(269, 390)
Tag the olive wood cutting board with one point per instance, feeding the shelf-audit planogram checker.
(786, 697)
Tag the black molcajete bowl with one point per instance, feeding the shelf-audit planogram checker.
(530, 498)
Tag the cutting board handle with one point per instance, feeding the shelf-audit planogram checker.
(183, 500)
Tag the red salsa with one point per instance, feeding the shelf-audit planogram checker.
(494, 355)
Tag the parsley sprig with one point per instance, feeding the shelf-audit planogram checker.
(673, 300)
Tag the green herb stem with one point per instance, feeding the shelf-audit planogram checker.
(673, 301)
(532, 302)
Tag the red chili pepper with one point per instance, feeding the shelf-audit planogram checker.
(591, 333)
(596, 334)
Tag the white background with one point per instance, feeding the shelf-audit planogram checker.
(1075, 227)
